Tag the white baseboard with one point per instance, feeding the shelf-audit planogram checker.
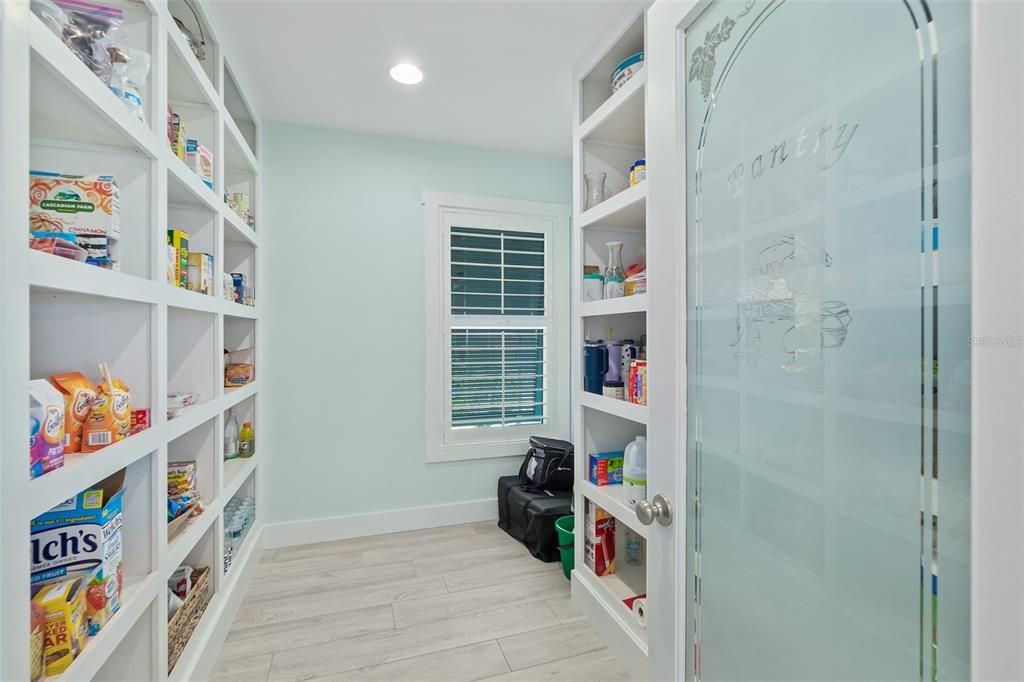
(375, 523)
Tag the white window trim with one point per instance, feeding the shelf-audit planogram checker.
(443, 445)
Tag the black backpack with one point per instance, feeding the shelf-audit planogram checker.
(548, 465)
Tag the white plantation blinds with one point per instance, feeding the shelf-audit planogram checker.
(498, 327)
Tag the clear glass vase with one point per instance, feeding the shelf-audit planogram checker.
(614, 274)
(594, 187)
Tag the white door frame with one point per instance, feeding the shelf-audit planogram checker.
(666, 337)
(997, 301)
(997, 362)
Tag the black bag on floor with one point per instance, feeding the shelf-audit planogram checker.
(529, 516)
(548, 465)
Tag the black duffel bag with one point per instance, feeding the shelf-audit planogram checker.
(548, 465)
(529, 516)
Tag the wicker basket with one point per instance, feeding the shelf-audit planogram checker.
(185, 620)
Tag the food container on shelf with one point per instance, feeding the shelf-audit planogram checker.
(626, 69)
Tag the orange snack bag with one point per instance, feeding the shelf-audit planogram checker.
(110, 417)
(79, 394)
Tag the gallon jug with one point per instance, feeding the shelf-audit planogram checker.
(634, 472)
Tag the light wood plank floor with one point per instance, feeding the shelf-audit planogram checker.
(453, 604)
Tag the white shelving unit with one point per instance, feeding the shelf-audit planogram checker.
(609, 133)
(58, 315)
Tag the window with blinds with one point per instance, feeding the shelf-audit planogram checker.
(498, 327)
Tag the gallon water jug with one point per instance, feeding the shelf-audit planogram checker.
(634, 472)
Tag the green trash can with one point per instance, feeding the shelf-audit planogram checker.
(566, 543)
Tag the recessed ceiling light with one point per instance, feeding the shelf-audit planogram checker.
(406, 74)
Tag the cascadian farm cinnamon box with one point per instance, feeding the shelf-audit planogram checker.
(87, 205)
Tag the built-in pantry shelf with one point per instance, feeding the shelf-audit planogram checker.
(620, 120)
(609, 498)
(614, 406)
(626, 210)
(609, 139)
(615, 306)
(156, 337)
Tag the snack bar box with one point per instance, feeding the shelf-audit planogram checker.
(81, 538)
(599, 539)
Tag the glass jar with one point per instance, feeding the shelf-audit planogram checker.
(594, 188)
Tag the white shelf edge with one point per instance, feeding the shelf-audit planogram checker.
(192, 64)
(191, 300)
(609, 498)
(247, 155)
(248, 234)
(613, 406)
(82, 470)
(206, 196)
(613, 205)
(238, 477)
(232, 309)
(54, 273)
(614, 306)
(634, 86)
(185, 542)
(191, 418)
(611, 621)
(136, 598)
(79, 79)
(233, 396)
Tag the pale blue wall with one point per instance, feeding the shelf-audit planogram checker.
(342, 297)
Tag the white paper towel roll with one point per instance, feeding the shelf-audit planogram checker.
(640, 612)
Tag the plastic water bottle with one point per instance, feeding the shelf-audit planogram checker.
(634, 472)
(231, 437)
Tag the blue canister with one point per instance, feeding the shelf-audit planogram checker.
(595, 364)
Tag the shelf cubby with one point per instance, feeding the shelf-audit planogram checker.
(191, 355)
(201, 446)
(134, 655)
(133, 175)
(193, 16)
(239, 114)
(240, 258)
(596, 83)
(75, 332)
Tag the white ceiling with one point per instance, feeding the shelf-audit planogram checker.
(497, 73)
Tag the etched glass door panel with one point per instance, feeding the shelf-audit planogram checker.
(827, 158)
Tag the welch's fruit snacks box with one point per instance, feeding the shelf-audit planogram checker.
(81, 538)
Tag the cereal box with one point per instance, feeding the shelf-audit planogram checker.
(47, 420)
(200, 160)
(65, 631)
(87, 205)
(637, 389)
(599, 539)
(81, 538)
(200, 272)
(605, 468)
(179, 241)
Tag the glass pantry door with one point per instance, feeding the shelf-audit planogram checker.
(828, 316)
